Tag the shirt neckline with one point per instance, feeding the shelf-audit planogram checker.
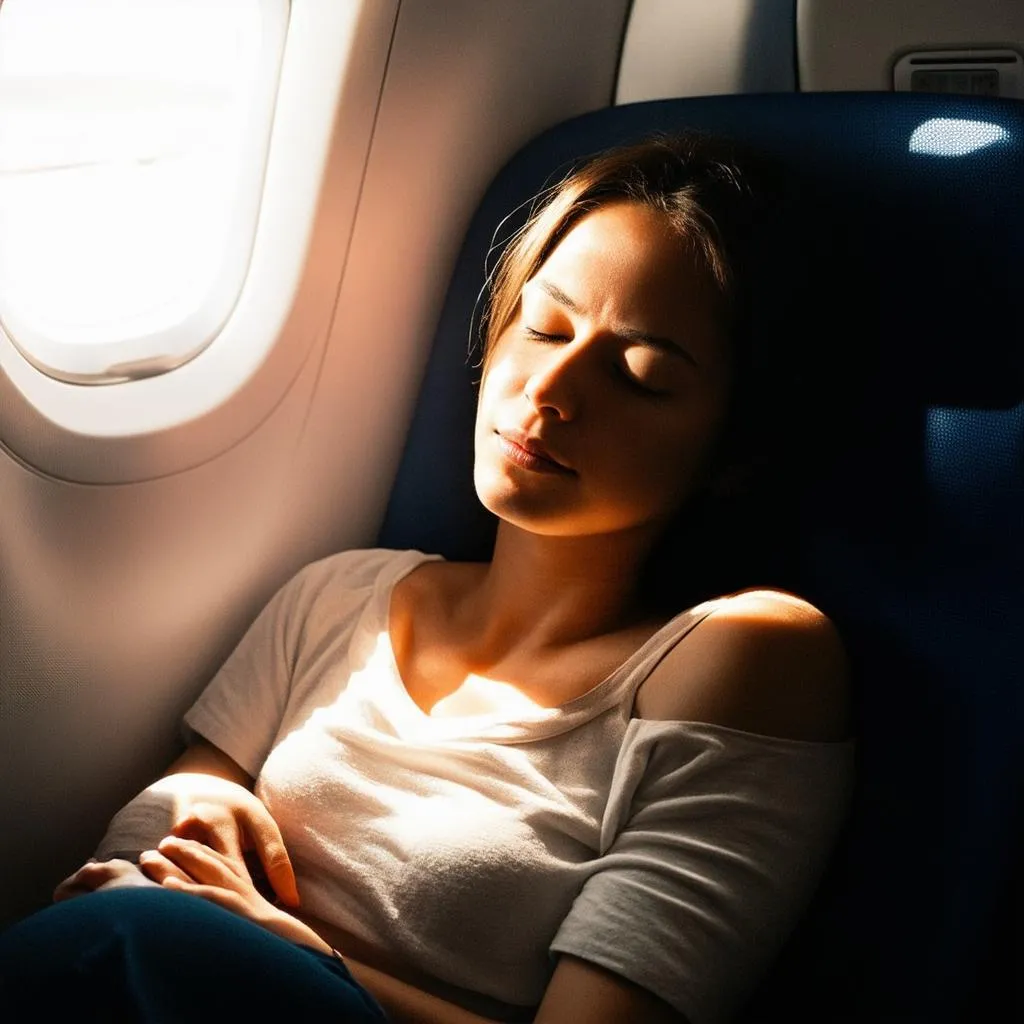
(550, 721)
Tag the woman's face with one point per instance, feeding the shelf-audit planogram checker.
(604, 395)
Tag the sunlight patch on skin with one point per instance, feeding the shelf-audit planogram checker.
(770, 605)
(478, 695)
(183, 788)
(475, 697)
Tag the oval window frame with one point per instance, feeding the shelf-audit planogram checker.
(332, 72)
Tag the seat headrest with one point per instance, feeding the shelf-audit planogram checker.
(906, 220)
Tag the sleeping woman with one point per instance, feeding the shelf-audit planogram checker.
(422, 790)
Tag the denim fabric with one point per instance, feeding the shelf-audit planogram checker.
(149, 955)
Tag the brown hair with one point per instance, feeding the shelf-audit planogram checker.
(691, 178)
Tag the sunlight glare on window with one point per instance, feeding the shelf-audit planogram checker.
(954, 136)
(133, 138)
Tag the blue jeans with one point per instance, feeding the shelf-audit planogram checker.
(149, 955)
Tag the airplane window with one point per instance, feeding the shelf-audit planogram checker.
(133, 142)
(953, 136)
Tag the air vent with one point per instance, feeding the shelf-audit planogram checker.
(980, 72)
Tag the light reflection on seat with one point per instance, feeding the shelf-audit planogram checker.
(954, 136)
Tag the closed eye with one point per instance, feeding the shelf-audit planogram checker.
(638, 385)
(541, 336)
(623, 373)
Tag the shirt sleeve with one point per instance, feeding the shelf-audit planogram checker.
(713, 842)
(241, 708)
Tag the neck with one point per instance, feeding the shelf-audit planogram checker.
(541, 592)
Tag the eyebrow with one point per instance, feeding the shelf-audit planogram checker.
(628, 333)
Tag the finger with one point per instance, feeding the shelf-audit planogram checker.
(68, 889)
(218, 835)
(225, 898)
(277, 865)
(159, 868)
(201, 863)
(71, 886)
(90, 876)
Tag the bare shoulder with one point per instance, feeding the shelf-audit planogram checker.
(763, 661)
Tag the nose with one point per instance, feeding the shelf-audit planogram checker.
(556, 384)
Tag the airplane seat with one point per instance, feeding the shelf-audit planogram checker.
(894, 256)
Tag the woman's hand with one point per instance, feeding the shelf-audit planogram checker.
(95, 875)
(204, 795)
(229, 819)
(186, 865)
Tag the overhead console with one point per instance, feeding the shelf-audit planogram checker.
(946, 46)
(981, 72)
(711, 47)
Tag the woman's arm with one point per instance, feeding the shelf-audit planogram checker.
(406, 1004)
(203, 757)
(199, 785)
(206, 796)
(584, 993)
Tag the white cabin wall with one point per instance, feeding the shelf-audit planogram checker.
(116, 602)
(707, 49)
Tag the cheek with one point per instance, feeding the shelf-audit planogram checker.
(661, 473)
(672, 463)
(498, 382)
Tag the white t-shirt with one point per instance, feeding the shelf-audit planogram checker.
(474, 848)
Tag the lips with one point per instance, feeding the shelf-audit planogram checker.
(530, 452)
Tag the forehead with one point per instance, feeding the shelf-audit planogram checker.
(626, 263)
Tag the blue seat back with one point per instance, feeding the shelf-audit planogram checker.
(900, 257)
